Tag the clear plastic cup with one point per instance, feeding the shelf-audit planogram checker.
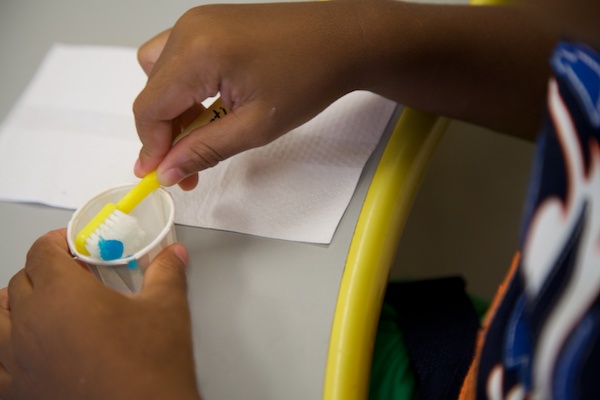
(155, 214)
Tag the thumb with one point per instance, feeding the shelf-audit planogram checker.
(165, 275)
(242, 129)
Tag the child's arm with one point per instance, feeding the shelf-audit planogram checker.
(278, 65)
(483, 64)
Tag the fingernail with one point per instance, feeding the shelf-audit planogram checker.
(181, 253)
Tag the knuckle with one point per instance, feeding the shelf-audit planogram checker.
(146, 153)
(44, 247)
(141, 107)
(14, 281)
(40, 248)
(200, 28)
(204, 14)
(203, 156)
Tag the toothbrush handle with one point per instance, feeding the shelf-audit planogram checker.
(139, 192)
(217, 110)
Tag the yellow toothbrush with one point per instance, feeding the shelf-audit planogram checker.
(112, 211)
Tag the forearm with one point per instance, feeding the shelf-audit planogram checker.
(487, 65)
(277, 65)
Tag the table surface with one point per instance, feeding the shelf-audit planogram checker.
(262, 309)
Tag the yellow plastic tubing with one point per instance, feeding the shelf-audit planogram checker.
(372, 251)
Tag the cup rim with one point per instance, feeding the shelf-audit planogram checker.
(137, 255)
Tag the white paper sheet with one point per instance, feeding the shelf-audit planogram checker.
(72, 135)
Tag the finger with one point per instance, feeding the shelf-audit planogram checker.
(145, 164)
(49, 256)
(242, 129)
(177, 126)
(149, 52)
(156, 135)
(19, 289)
(5, 355)
(5, 328)
(171, 91)
(191, 181)
(4, 302)
(155, 129)
(165, 276)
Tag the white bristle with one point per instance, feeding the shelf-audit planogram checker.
(118, 226)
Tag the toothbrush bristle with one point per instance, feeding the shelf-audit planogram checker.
(120, 235)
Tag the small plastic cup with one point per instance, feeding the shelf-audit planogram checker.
(155, 214)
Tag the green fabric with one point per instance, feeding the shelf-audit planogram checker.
(392, 377)
(391, 374)
(481, 306)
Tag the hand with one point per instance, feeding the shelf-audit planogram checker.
(65, 335)
(275, 66)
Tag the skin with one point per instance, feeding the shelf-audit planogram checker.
(280, 75)
(64, 335)
(577, 20)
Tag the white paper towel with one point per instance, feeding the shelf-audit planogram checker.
(72, 135)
